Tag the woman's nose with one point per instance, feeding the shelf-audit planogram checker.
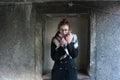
(64, 32)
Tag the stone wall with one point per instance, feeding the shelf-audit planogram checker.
(19, 43)
(105, 43)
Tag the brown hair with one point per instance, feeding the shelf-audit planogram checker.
(63, 22)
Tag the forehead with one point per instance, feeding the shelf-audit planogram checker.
(64, 27)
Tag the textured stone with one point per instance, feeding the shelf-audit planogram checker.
(107, 43)
(17, 58)
(49, 0)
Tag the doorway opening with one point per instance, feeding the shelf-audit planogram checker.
(80, 25)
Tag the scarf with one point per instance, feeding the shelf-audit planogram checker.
(58, 37)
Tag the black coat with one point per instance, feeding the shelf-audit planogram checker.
(64, 69)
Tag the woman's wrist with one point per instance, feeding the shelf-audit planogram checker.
(68, 42)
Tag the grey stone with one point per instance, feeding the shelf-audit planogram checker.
(17, 48)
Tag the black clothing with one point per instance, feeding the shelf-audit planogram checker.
(64, 68)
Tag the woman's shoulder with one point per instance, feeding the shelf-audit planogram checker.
(74, 35)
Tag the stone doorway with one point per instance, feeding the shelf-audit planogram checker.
(51, 13)
(80, 26)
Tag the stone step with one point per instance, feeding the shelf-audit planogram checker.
(80, 77)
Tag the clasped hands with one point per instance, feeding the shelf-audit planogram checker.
(66, 40)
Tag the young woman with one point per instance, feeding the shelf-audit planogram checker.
(64, 49)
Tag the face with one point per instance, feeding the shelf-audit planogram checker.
(64, 29)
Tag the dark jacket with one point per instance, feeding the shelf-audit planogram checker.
(67, 65)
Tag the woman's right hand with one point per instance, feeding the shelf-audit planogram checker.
(63, 42)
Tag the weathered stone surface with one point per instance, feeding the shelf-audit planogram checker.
(17, 48)
(49, 0)
(107, 43)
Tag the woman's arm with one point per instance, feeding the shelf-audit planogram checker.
(56, 53)
(73, 47)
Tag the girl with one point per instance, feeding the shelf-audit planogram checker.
(64, 49)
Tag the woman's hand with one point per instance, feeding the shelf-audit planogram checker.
(63, 42)
(69, 38)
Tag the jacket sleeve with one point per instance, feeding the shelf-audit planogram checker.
(56, 54)
(73, 48)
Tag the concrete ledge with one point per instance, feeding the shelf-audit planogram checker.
(80, 77)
